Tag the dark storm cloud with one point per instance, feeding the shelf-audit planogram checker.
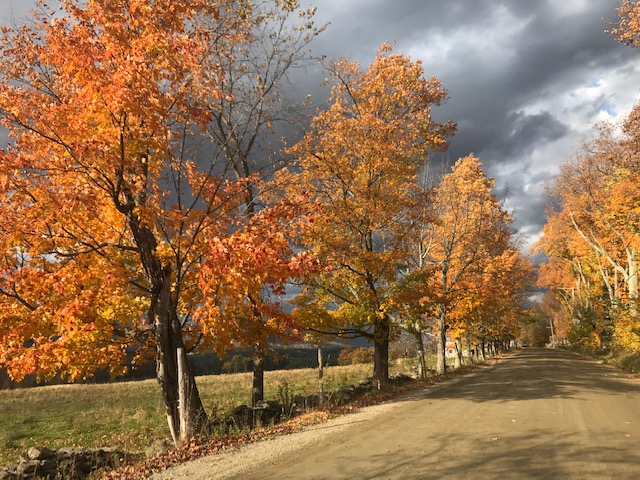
(499, 61)
(520, 130)
(530, 216)
(546, 58)
(359, 25)
(529, 210)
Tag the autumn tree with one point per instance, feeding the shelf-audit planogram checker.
(412, 300)
(577, 277)
(591, 236)
(561, 319)
(471, 227)
(360, 161)
(248, 120)
(627, 30)
(465, 270)
(115, 215)
(536, 328)
(598, 203)
(492, 305)
(412, 297)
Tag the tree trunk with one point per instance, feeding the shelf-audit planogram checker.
(441, 345)
(458, 358)
(632, 282)
(381, 354)
(422, 364)
(481, 350)
(320, 378)
(187, 428)
(184, 410)
(257, 391)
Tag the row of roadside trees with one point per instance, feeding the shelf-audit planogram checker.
(591, 236)
(147, 203)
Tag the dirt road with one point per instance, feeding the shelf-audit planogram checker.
(537, 414)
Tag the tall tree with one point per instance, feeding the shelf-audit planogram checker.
(599, 200)
(412, 296)
(592, 236)
(255, 108)
(499, 297)
(360, 161)
(574, 273)
(412, 300)
(471, 227)
(109, 208)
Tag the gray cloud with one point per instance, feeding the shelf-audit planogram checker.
(522, 130)
(509, 67)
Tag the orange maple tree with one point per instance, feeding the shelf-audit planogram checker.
(360, 162)
(112, 216)
(471, 227)
(492, 302)
(592, 237)
(248, 118)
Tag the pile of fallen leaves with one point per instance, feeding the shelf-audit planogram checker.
(201, 446)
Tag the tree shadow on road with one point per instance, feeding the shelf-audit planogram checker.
(534, 374)
(539, 454)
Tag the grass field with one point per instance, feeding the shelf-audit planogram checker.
(129, 415)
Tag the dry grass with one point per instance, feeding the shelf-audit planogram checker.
(130, 415)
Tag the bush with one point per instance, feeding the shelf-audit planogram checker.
(627, 331)
(403, 348)
(237, 364)
(355, 355)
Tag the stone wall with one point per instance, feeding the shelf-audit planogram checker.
(67, 463)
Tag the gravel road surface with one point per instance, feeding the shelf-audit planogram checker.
(538, 413)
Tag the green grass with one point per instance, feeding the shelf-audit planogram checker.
(130, 415)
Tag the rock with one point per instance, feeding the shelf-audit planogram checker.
(312, 401)
(27, 467)
(294, 411)
(266, 413)
(241, 416)
(47, 467)
(400, 378)
(299, 400)
(366, 383)
(40, 453)
(274, 405)
(67, 452)
(84, 464)
(67, 463)
(7, 475)
(158, 447)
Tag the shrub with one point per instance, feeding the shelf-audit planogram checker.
(355, 355)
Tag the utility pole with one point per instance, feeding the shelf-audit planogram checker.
(553, 335)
